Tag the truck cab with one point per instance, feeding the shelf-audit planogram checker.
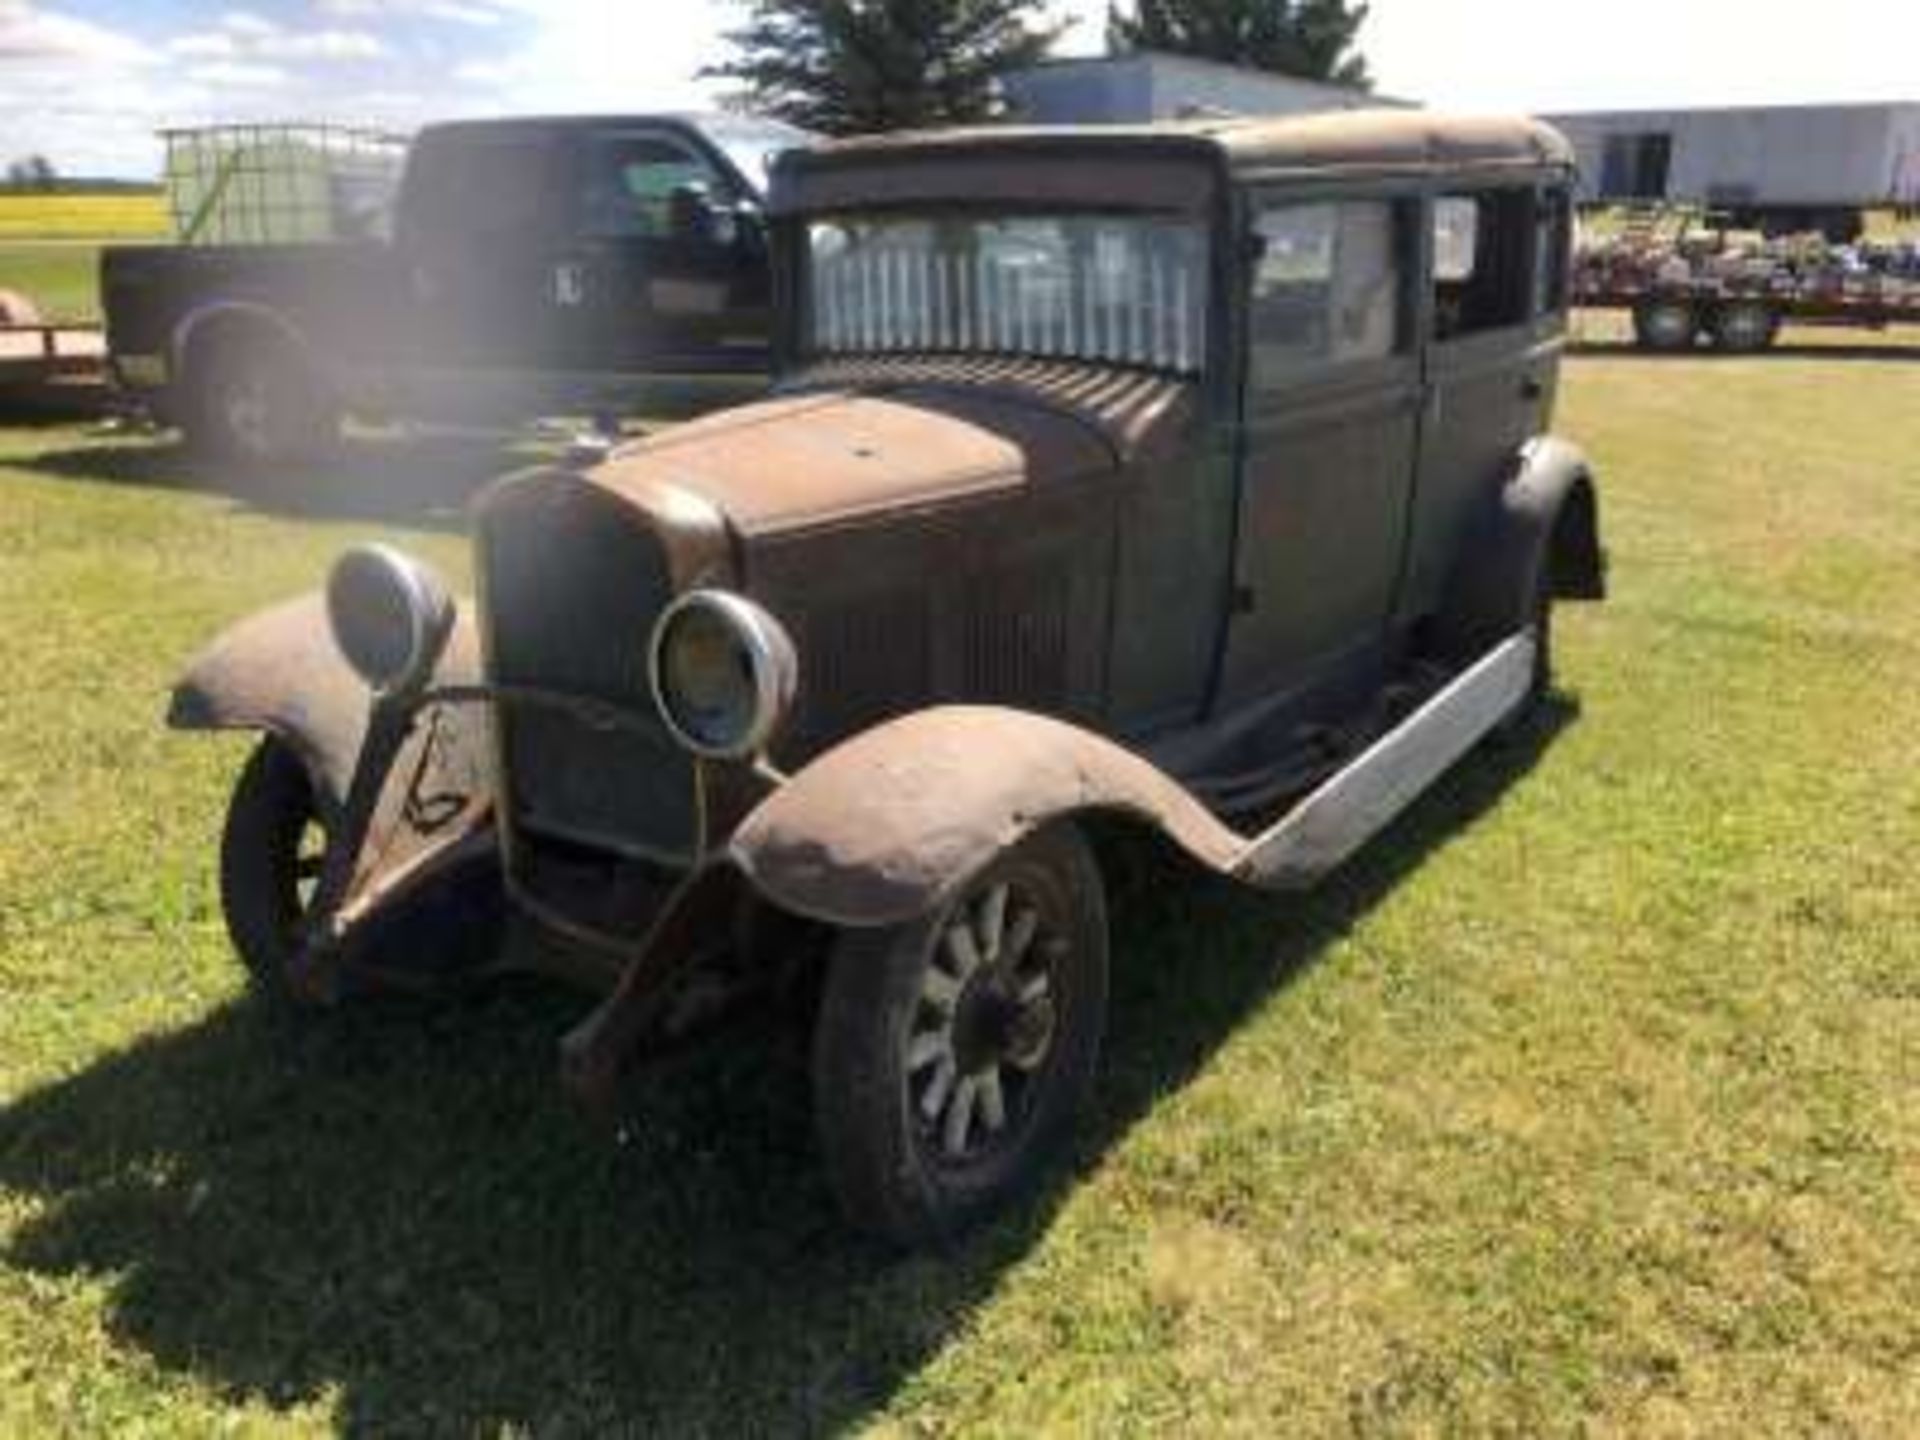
(527, 267)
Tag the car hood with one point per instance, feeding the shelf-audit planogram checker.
(839, 444)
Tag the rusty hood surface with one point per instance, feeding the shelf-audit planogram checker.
(859, 440)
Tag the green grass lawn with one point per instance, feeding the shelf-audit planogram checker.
(1584, 1100)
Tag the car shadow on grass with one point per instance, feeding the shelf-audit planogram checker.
(426, 482)
(394, 1206)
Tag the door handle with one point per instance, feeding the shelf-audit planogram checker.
(1532, 388)
(569, 283)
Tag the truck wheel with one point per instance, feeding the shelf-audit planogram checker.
(270, 857)
(254, 401)
(1744, 327)
(953, 1052)
(1665, 325)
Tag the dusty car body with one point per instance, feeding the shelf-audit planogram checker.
(1180, 473)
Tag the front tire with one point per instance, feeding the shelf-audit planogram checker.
(270, 857)
(953, 1052)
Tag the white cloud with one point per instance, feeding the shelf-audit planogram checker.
(459, 12)
(322, 45)
(206, 45)
(29, 33)
(248, 24)
(239, 75)
(244, 37)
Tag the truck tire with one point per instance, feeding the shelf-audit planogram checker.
(953, 1052)
(1668, 326)
(270, 853)
(1744, 327)
(251, 399)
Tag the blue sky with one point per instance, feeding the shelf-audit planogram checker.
(87, 81)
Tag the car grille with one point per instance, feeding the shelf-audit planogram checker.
(573, 581)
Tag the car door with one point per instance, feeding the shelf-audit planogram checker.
(478, 237)
(1497, 305)
(1330, 404)
(669, 271)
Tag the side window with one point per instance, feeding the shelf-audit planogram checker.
(1552, 230)
(1482, 247)
(1328, 290)
(627, 190)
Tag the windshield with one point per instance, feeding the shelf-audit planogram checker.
(1127, 289)
(751, 143)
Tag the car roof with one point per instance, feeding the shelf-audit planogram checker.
(1369, 139)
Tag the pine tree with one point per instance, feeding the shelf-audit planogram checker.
(845, 67)
(1309, 38)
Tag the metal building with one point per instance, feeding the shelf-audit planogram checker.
(1768, 157)
(1149, 85)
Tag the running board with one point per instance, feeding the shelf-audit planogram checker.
(1362, 797)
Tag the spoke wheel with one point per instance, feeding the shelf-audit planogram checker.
(271, 856)
(953, 1052)
(983, 1032)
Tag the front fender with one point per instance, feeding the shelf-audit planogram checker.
(884, 826)
(426, 784)
(279, 671)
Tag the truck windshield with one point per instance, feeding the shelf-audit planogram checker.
(1125, 289)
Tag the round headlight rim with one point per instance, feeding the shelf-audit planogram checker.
(772, 666)
(426, 604)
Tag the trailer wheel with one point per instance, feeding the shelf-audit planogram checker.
(1745, 326)
(252, 400)
(1668, 326)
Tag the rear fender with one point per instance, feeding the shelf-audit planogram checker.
(1547, 514)
(206, 322)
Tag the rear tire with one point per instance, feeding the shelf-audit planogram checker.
(270, 853)
(1667, 326)
(941, 1088)
(251, 400)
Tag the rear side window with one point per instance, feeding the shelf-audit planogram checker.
(1553, 226)
(1482, 252)
(486, 187)
(1327, 291)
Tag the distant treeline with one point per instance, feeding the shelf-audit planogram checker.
(80, 185)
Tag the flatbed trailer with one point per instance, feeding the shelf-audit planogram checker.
(46, 366)
(1741, 317)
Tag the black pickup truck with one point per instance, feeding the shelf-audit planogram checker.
(577, 265)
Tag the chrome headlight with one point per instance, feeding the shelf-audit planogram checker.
(390, 614)
(723, 673)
